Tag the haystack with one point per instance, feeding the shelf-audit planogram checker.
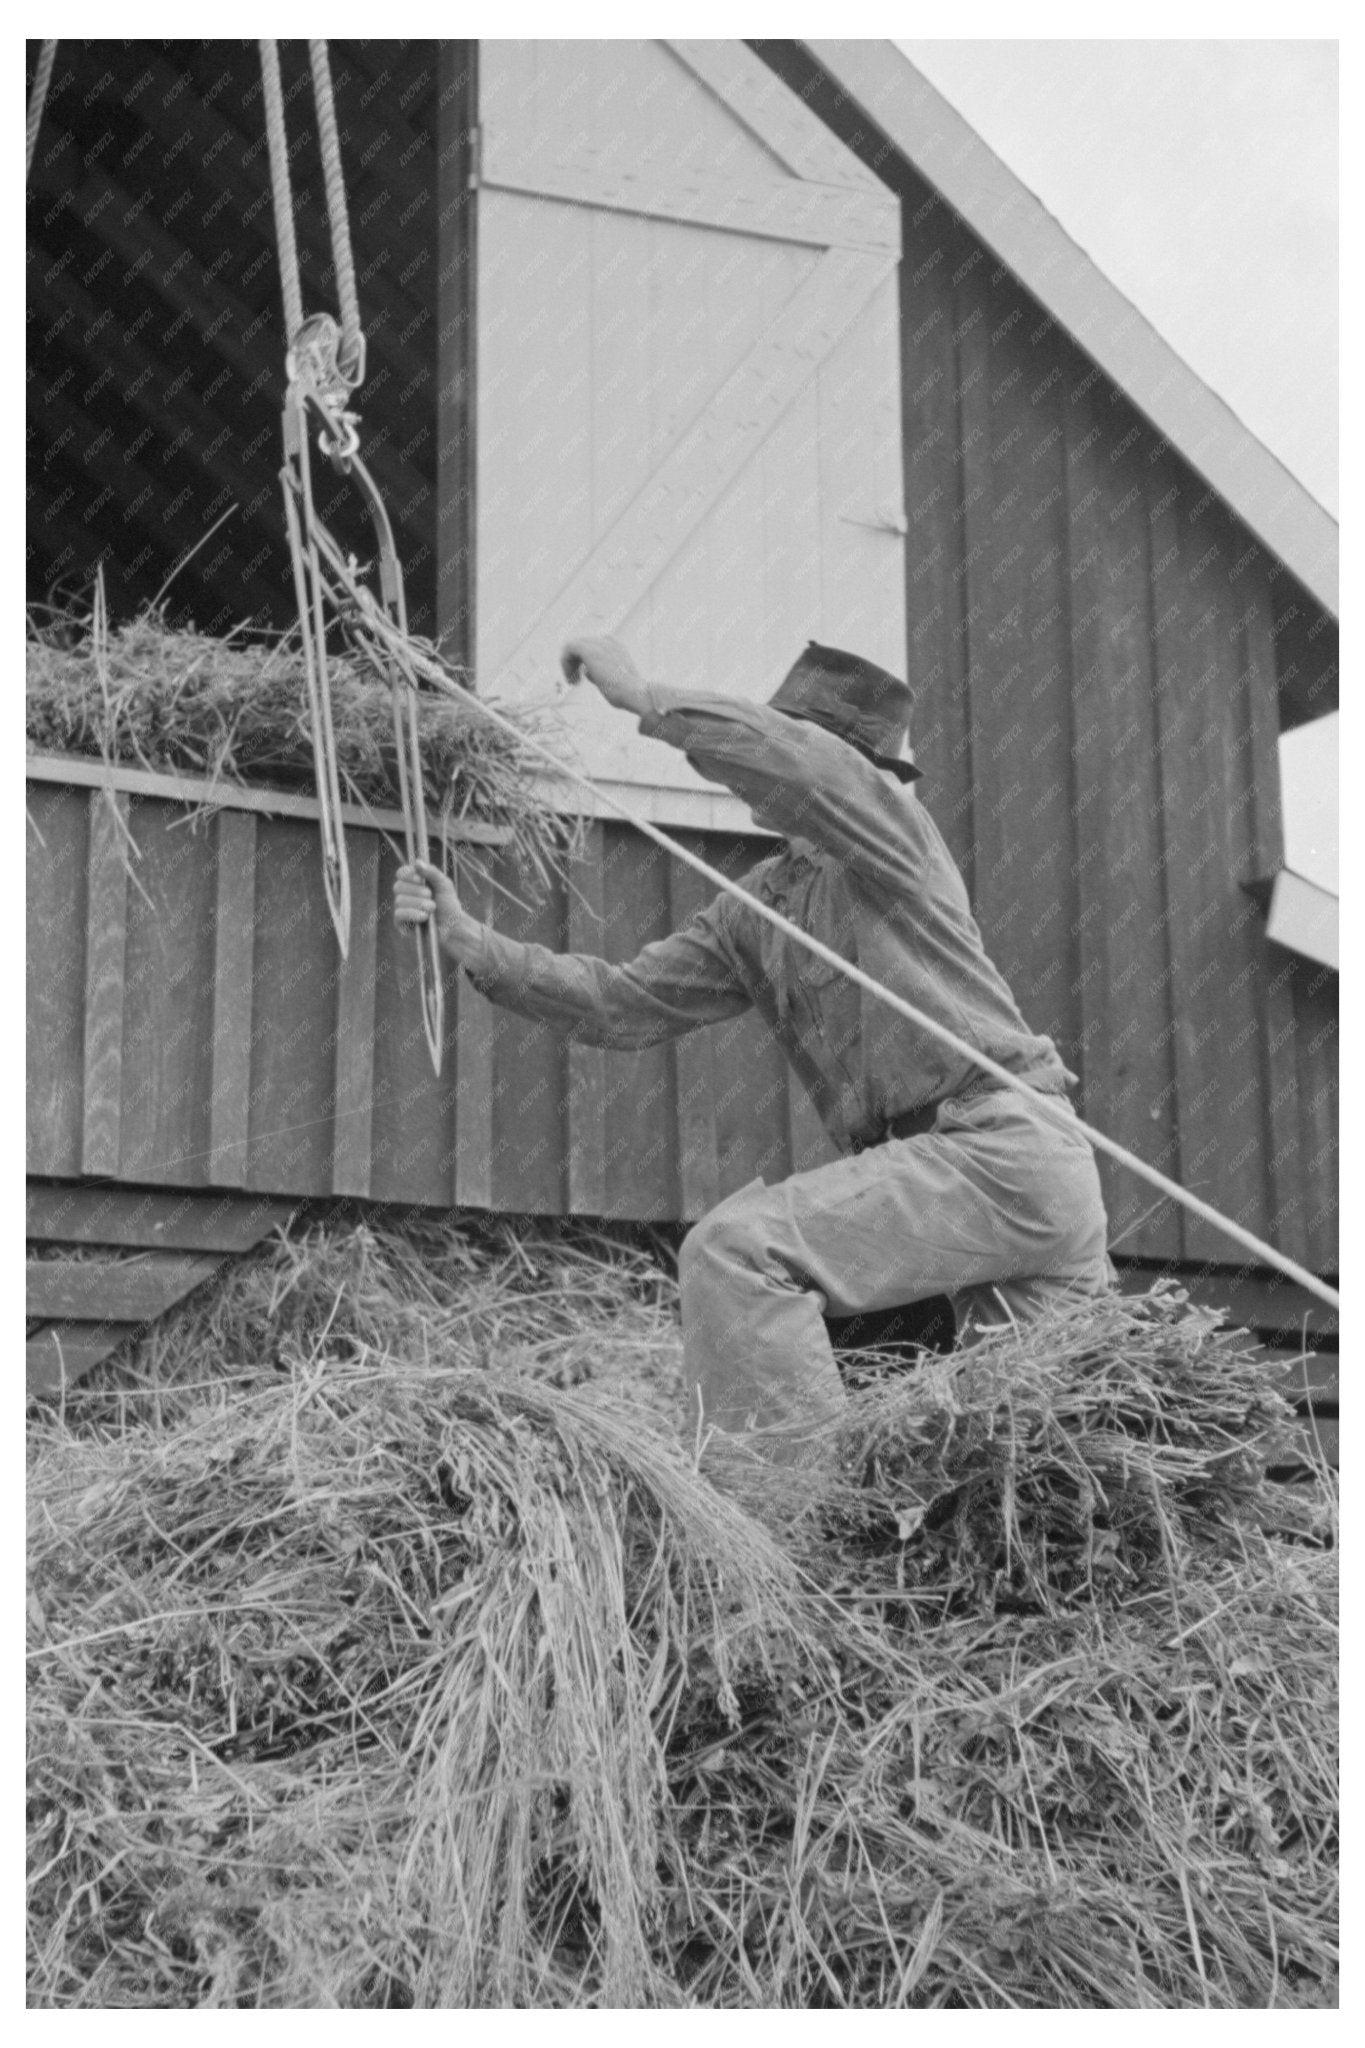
(388, 1650)
(234, 709)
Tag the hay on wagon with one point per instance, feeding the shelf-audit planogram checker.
(166, 698)
(387, 1649)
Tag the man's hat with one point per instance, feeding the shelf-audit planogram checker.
(853, 699)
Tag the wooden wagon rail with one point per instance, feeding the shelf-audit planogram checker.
(213, 794)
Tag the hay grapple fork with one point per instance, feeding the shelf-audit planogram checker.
(376, 628)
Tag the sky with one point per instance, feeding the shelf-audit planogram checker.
(1202, 178)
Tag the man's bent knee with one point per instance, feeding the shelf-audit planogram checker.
(729, 1238)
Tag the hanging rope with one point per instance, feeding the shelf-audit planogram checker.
(277, 140)
(37, 100)
(351, 354)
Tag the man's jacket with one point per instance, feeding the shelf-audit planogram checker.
(865, 870)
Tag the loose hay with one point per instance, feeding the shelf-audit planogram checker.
(234, 709)
(387, 1650)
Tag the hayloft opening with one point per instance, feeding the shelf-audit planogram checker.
(155, 361)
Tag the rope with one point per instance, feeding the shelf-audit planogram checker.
(37, 99)
(351, 355)
(278, 140)
(1064, 1118)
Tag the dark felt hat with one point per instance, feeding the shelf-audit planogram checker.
(861, 703)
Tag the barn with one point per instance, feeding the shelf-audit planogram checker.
(721, 346)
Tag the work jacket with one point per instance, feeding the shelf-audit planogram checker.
(864, 869)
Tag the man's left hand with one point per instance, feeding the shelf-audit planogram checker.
(611, 667)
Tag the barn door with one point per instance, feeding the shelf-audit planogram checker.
(688, 410)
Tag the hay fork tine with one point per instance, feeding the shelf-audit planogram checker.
(408, 746)
(296, 478)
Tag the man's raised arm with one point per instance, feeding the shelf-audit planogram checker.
(798, 780)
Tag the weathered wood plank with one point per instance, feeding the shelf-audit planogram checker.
(1316, 1016)
(95, 1290)
(168, 1000)
(797, 137)
(473, 1179)
(639, 1163)
(65, 1352)
(1248, 1016)
(694, 1065)
(936, 599)
(852, 418)
(586, 1064)
(412, 1132)
(1127, 1063)
(106, 936)
(71, 771)
(233, 953)
(1193, 719)
(779, 209)
(354, 1112)
(76, 1214)
(1261, 845)
(1015, 536)
(528, 1121)
(1022, 696)
(54, 977)
(294, 976)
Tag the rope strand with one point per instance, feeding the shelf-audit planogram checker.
(277, 137)
(351, 354)
(37, 100)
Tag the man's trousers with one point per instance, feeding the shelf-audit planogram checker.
(997, 1206)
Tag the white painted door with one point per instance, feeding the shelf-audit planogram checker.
(688, 401)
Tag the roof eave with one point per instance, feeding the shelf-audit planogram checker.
(888, 90)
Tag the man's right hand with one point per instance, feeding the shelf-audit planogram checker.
(610, 667)
(422, 890)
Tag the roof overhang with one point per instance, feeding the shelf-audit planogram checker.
(888, 91)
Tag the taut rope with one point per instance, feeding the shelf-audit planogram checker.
(37, 100)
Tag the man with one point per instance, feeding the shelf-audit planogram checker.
(950, 1182)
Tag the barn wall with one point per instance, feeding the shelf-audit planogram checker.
(1105, 657)
(1094, 637)
(190, 1025)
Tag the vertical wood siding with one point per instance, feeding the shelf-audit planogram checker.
(192, 1025)
(1095, 640)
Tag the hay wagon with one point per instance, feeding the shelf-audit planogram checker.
(723, 346)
